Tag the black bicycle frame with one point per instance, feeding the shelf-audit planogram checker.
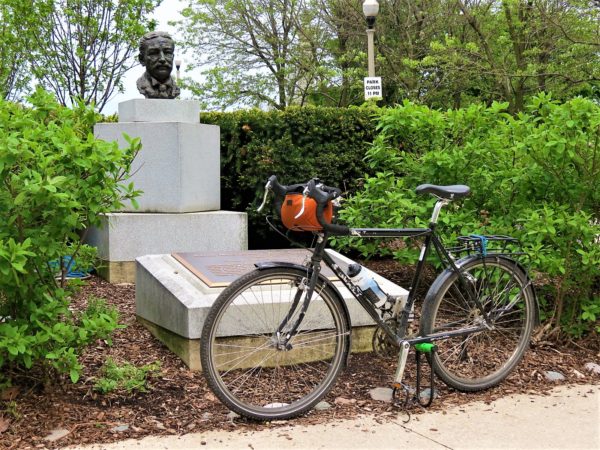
(431, 239)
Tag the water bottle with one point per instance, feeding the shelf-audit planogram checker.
(363, 279)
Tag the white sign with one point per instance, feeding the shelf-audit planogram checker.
(373, 88)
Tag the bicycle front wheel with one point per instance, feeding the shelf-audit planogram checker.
(483, 359)
(244, 355)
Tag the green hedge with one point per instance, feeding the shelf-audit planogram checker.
(295, 144)
(534, 176)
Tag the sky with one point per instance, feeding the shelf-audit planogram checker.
(167, 11)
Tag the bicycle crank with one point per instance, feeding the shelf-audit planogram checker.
(382, 344)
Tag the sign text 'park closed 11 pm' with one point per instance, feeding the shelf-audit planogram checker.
(373, 88)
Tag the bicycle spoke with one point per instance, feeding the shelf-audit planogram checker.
(484, 358)
(259, 370)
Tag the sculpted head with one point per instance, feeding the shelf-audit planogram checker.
(157, 50)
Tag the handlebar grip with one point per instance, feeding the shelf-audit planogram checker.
(331, 228)
(277, 188)
(281, 190)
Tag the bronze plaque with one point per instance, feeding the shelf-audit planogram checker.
(219, 269)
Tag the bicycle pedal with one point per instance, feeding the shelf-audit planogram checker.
(407, 400)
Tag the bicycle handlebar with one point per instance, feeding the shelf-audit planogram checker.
(322, 195)
(314, 189)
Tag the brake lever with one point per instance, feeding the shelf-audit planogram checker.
(304, 195)
(264, 202)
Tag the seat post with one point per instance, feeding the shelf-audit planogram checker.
(437, 208)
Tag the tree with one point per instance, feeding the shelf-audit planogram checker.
(14, 73)
(256, 53)
(443, 54)
(345, 42)
(518, 48)
(85, 47)
(448, 54)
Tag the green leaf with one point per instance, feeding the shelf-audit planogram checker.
(74, 374)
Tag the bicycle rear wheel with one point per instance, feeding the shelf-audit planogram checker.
(483, 359)
(243, 359)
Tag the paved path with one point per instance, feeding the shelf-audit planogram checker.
(569, 418)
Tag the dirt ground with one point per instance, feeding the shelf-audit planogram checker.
(179, 401)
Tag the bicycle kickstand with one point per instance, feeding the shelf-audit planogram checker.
(397, 384)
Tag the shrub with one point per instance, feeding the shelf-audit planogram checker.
(295, 144)
(56, 179)
(534, 176)
(125, 377)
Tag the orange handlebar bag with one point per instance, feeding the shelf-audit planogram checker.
(307, 221)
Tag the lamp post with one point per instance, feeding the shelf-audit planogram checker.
(370, 10)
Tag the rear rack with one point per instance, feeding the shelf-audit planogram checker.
(483, 245)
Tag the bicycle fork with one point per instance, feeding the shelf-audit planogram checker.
(304, 296)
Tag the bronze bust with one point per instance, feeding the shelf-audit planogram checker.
(157, 49)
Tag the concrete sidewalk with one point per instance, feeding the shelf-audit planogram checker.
(569, 418)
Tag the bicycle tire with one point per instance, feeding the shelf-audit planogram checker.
(247, 372)
(483, 359)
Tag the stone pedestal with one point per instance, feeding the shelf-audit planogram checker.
(178, 170)
(156, 110)
(126, 236)
(172, 302)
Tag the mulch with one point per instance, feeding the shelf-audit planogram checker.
(180, 402)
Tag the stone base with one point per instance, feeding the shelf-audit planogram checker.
(175, 303)
(125, 236)
(117, 271)
(188, 350)
(159, 110)
(178, 167)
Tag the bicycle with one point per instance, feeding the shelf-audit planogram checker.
(277, 338)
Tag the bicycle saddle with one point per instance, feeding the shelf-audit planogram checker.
(448, 192)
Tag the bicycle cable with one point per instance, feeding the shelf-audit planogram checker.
(285, 235)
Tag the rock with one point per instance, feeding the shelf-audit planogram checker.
(553, 376)
(381, 394)
(322, 406)
(206, 416)
(578, 374)
(593, 367)
(120, 428)
(426, 394)
(56, 434)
